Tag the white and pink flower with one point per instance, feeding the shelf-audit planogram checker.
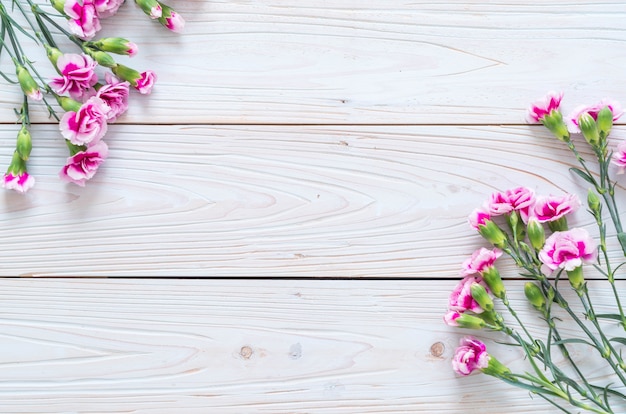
(481, 260)
(470, 356)
(21, 182)
(115, 96)
(78, 75)
(542, 107)
(87, 125)
(461, 299)
(619, 157)
(593, 110)
(84, 164)
(107, 8)
(146, 81)
(551, 208)
(83, 18)
(479, 217)
(568, 250)
(174, 21)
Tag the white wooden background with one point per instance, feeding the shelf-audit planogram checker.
(279, 224)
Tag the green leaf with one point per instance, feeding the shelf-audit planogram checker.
(613, 316)
(583, 175)
(618, 340)
(573, 341)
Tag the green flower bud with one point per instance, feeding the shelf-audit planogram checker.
(150, 7)
(605, 122)
(535, 296)
(126, 73)
(59, 5)
(470, 321)
(492, 233)
(496, 368)
(68, 104)
(24, 143)
(103, 58)
(492, 278)
(53, 55)
(536, 233)
(593, 201)
(117, 45)
(559, 224)
(27, 83)
(589, 128)
(480, 295)
(554, 122)
(576, 279)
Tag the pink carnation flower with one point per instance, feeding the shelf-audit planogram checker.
(515, 199)
(568, 250)
(20, 182)
(499, 204)
(478, 217)
(470, 356)
(572, 119)
(84, 164)
(78, 75)
(542, 107)
(146, 81)
(107, 8)
(480, 260)
(83, 18)
(619, 157)
(174, 22)
(552, 208)
(461, 299)
(450, 318)
(115, 96)
(87, 125)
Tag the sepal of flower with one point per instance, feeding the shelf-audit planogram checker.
(493, 234)
(150, 7)
(117, 45)
(53, 55)
(491, 276)
(102, 58)
(555, 124)
(171, 19)
(480, 295)
(594, 204)
(536, 233)
(143, 82)
(17, 177)
(535, 296)
(27, 83)
(59, 5)
(24, 143)
(605, 122)
(464, 320)
(594, 111)
(576, 278)
(589, 129)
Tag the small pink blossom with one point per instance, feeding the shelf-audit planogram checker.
(78, 75)
(107, 8)
(450, 318)
(479, 217)
(480, 260)
(84, 164)
(87, 125)
(499, 204)
(542, 107)
(552, 208)
(470, 356)
(156, 11)
(174, 22)
(521, 199)
(461, 299)
(146, 82)
(83, 18)
(619, 157)
(115, 96)
(572, 119)
(19, 182)
(568, 250)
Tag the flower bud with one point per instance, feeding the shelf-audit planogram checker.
(576, 278)
(554, 122)
(480, 295)
(53, 54)
(68, 104)
(24, 143)
(492, 233)
(171, 19)
(59, 5)
(27, 83)
(605, 122)
(150, 7)
(117, 45)
(536, 233)
(535, 296)
(470, 321)
(492, 278)
(496, 368)
(589, 128)
(593, 201)
(103, 58)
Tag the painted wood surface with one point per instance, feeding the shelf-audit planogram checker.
(368, 62)
(289, 143)
(233, 346)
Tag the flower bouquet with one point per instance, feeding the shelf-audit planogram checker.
(532, 230)
(79, 98)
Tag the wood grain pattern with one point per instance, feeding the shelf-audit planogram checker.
(364, 62)
(192, 346)
(273, 201)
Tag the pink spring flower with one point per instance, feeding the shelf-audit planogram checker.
(83, 18)
(107, 8)
(84, 164)
(572, 119)
(87, 125)
(542, 107)
(552, 208)
(479, 217)
(146, 82)
(568, 250)
(499, 204)
(461, 299)
(115, 96)
(451, 317)
(470, 356)
(515, 199)
(78, 75)
(619, 157)
(480, 260)
(19, 182)
(174, 21)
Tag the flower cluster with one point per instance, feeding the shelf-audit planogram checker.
(532, 230)
(88, 98)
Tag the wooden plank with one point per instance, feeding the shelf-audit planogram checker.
(191, 346)
(356, 62)
(273, 201)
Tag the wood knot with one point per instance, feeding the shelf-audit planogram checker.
(246, 352)
(437, 349)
